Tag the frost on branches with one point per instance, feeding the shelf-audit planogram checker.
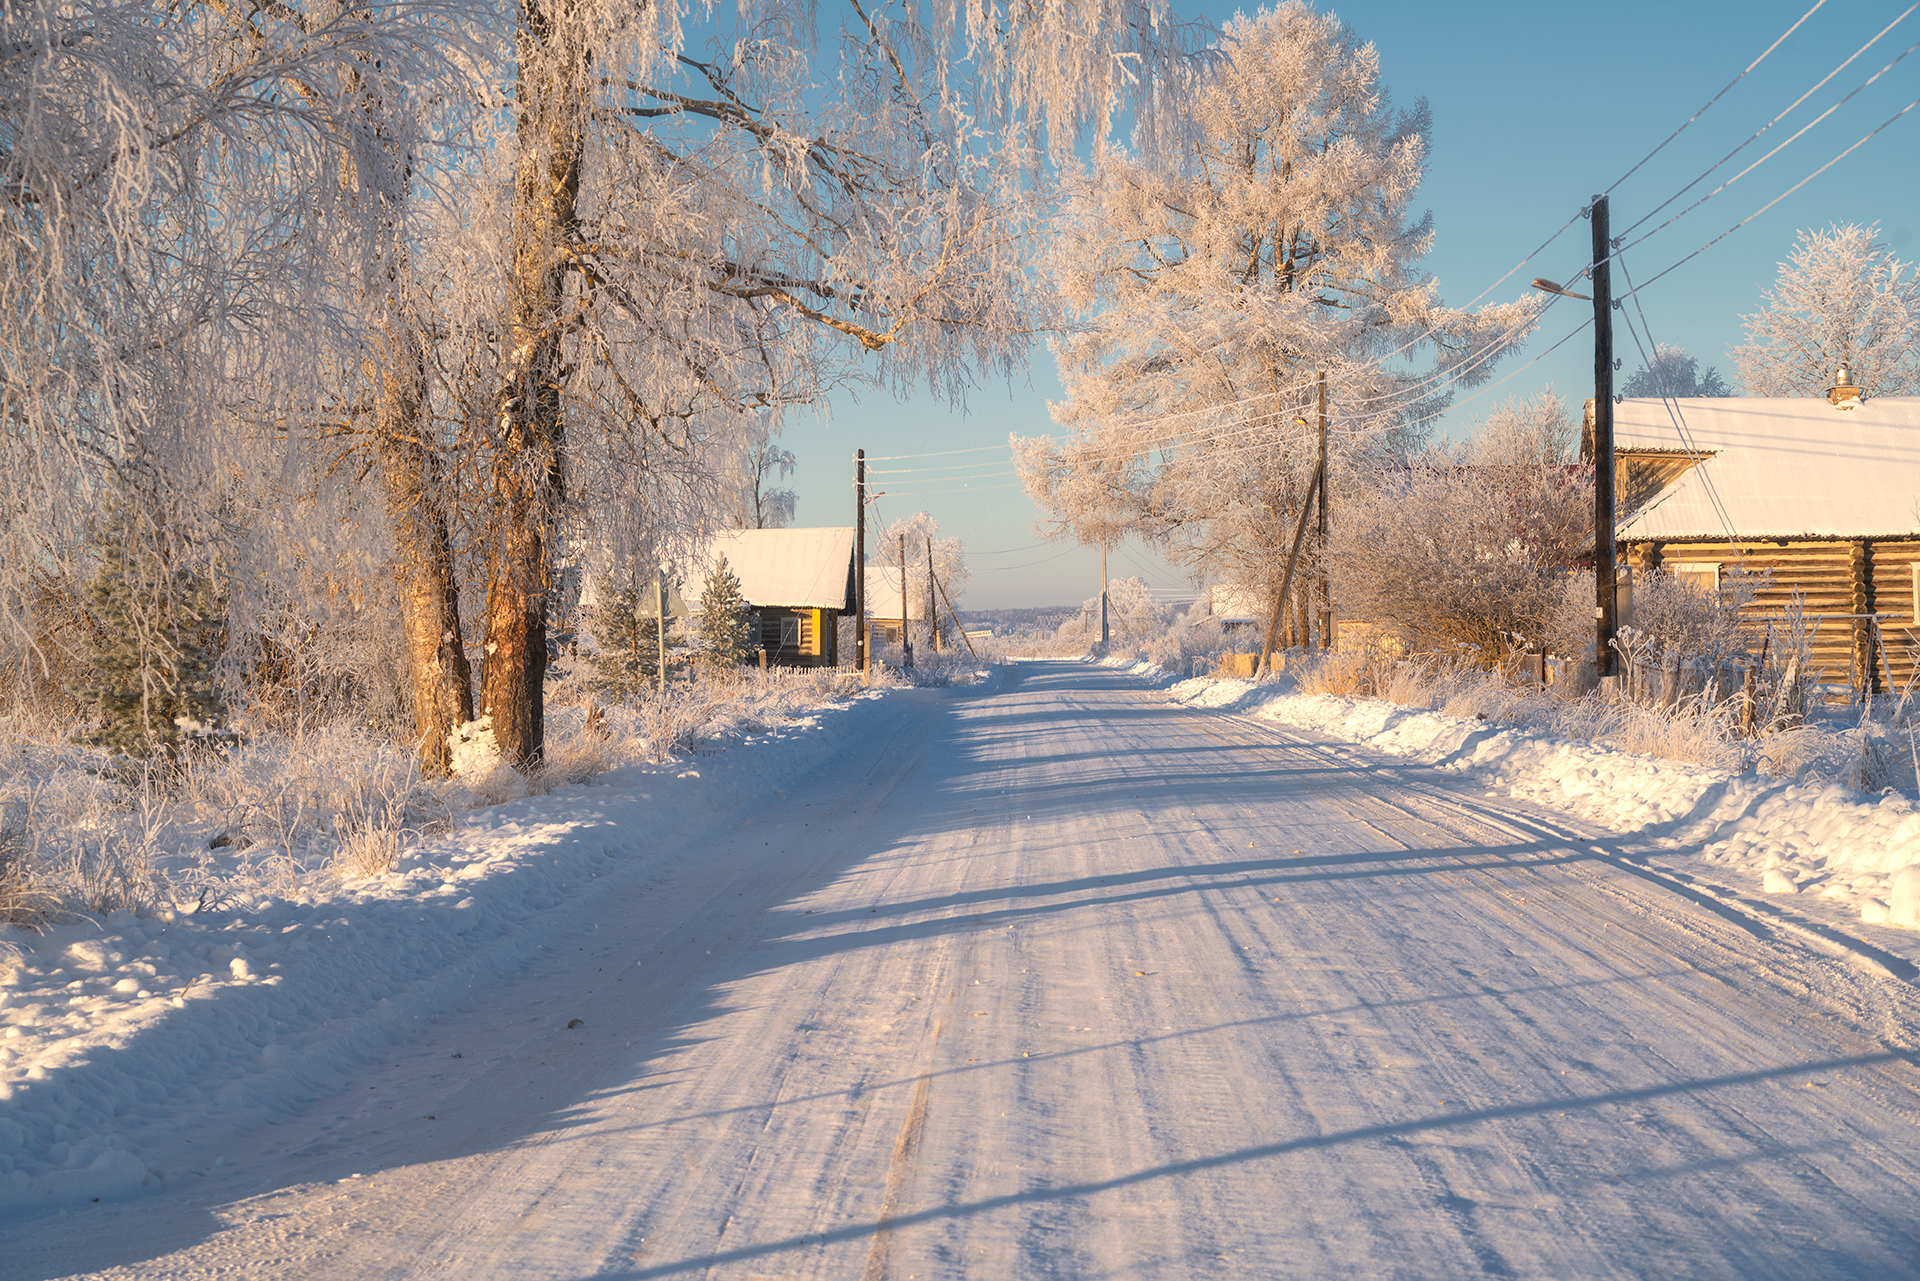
(918, 537)
(1840, 297)
(1213, 289)
(1674, 375)
(1468, 548)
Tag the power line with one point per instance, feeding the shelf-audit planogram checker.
(1795, 137)
(1716, 97)
(1777, 199)
(1180, 440)
(1793, 106)
(1671, 405)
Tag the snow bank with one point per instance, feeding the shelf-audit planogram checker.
(124, 1041)
(1785, 837)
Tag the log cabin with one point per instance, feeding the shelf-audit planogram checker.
(1818, 494)
(797, 583)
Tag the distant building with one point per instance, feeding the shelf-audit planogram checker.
(1820, 493)
(798, 582)
(1235, 608)
(884, 615)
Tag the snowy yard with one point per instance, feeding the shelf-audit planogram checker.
(1073, 973)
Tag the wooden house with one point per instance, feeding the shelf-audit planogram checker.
(1818, 493)
(885, 618)
(798, 583)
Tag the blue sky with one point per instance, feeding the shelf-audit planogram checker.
(1536, 107)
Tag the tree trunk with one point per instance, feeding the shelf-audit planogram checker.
(528, 490)
(429, 596)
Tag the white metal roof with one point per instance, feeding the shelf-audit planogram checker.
(1778, 468)
(794, 568)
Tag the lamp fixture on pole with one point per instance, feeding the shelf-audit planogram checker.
(1605, 588)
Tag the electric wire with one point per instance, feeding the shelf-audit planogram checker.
(1791, 108)
(1671, 404)
(1789, 141)
(1777, 199)
(1259, 423)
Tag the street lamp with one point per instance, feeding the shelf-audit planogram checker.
(1604, 591)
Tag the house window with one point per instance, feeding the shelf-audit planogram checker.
(1703, 574)
(789, 633)
(755, 632)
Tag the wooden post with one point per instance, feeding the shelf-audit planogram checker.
(660, 629)
(1286, 584)
(860, 645)
(933, 610)
(1326, 569)
(906, 637)
(1605, 623)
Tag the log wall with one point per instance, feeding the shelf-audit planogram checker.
(1832, 576)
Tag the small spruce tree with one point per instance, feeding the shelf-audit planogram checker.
(626, 660)
(157, 636)
(725, 623)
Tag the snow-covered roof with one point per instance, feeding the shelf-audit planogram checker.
(1231, 604)
(883, 594)
(1778, 468)
(794, 568)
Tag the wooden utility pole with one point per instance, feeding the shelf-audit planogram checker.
(860, 559)
(660, 627)
(1326, 570)
(1103, 599)
(933, 610)
(906, 637)
(1605, 620)
(957, 625)
(1286, 584)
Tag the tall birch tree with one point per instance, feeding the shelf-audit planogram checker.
(703, 233)
(1211, 292)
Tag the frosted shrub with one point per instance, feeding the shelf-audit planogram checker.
(1467, 546)
(1356, 674)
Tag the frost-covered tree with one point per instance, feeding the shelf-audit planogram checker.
(1469, 545)
(1212, 288)
(919, 535)
(730, 219)
(1840, 296)
(189, 233)
(1675, 375)
(725, 633)
(1133, 615)
(757, 504)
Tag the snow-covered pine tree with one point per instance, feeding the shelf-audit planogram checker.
(626, 658)
(725, 626)
(157, 638)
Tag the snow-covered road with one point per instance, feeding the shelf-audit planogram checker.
(1058, 979)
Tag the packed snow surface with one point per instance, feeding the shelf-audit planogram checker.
(1843, 849)
(1054, 977)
